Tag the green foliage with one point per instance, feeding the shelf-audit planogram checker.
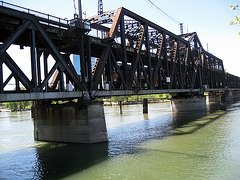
(138, 98)
(17, 106)
(234, 7)
(237, 18)
(13, 106)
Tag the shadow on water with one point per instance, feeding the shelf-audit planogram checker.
(191, 123)
(55, 161)
(187, 123)
(51, 160)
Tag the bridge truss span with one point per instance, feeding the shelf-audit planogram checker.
(133, 56)
(147, 56)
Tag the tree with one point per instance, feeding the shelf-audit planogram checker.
(237, 18)
(13, 106)
(17, 106)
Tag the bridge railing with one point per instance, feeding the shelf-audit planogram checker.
(36, 13)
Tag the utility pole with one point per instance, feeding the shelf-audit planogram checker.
(181, 28)
(80, 9)
(100, 7)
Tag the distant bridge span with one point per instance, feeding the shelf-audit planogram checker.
(133, 56)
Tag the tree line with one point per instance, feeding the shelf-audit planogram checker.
(18, 106)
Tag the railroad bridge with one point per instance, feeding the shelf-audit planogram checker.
(120, 53)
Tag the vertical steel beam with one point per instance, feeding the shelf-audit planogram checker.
(203, 57)
(139, 76)
(148, 57)
(33, 59)
(17, 85)
(39, 54)
(61, 87)
(109, 71)
(89, 62)
(181, 80)
(1, 77)
(223, 75)
(82, 59)
(123, 44)
(45, 63)
(45, 66)
(156, 72)
(165, 57)
(173, 64)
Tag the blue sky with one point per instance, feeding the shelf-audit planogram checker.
(209, 18)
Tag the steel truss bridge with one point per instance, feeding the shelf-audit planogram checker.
(133, 56)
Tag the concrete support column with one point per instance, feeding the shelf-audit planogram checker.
(223, 101)
(145, 105)
(120, 104)
(82, 122)
(222, 98)
(229, 96)
(192, 103)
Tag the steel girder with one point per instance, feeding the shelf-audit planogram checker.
(147, 56)
(29, 31)
(132, 54)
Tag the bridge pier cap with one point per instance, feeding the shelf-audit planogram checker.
(82, 122)
(182, 102)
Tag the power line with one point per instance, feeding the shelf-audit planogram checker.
(168, 16)
(154, 5)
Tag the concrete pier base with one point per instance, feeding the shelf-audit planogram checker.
(222, 98)
(71, 122)
(188, 103)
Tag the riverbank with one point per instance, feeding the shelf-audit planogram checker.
(9, 110)
(135, 99)
(114, 103)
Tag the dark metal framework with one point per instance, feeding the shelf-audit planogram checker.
(132, 54)
(147, 56)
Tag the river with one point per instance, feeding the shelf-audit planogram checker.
(157, 145)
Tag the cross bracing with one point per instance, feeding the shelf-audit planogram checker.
(133, 55)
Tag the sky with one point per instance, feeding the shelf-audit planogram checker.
(209, 18)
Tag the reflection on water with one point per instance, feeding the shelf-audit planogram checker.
(157, 145)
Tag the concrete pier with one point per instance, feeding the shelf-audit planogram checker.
(82, 122)
(145, 105)
(188, 103)
(222, 98)
(120, 104)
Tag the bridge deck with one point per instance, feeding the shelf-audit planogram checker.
(101, 94)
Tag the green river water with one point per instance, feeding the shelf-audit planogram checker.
(157, 145)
